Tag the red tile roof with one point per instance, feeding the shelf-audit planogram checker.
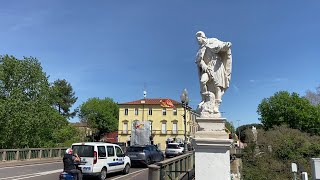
(149, 101)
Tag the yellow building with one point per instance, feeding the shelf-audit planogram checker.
(166, 123)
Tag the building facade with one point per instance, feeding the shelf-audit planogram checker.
(167, 122)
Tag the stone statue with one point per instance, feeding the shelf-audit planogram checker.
(214, 62)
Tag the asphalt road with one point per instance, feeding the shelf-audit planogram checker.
(51, 171)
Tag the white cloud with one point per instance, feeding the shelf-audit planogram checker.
(19, 21)
(236, 88)
(279, 79)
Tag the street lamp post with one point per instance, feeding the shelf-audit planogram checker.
(185, 101)
(238, 133)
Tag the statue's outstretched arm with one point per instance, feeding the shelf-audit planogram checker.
(225, 46)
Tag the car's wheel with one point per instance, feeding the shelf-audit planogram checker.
(126, 169)
(162, 158)
(103, 174)
(148, 161)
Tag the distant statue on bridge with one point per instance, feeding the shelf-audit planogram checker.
(214, 62)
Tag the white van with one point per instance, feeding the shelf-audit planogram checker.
(98, 158)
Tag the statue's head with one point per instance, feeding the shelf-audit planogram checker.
(200, 34)
(201, 37)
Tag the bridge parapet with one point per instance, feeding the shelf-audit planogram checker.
(180, 167)
(31, 154)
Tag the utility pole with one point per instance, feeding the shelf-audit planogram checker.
(185, 101)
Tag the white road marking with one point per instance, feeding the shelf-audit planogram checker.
(10, 167)
(26, 176)
(130, 174)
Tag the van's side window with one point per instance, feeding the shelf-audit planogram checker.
(102, 151)
(118, 151)
(110, 150)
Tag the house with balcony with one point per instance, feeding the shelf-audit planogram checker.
(167, 122)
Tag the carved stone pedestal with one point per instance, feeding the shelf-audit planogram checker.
(212, 150)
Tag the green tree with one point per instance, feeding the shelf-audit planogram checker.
(63, 97)
(229, 126)
(313, 97)
(100, 114)
(242, 130)
(278, 148)
(65, 136)
(27, 118)
(284, 108)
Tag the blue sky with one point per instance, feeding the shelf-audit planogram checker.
(116, 48)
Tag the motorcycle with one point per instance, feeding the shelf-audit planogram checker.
(68, 176)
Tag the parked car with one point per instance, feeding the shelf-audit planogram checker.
(99, 158)
(174, 149)
(190, 147)
(144, 154)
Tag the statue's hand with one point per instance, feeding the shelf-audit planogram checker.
(204, 68)
(229, 44)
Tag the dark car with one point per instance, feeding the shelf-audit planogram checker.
(144, 154)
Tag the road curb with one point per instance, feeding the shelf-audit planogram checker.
(28, 162)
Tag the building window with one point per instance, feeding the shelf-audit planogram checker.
(150, 111)
(136, 111)
(175, 128)
(174, 112)
(164, 127)
(164, 111)
(126, 112)
(125, 127)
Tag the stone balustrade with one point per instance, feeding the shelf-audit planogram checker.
(30, 154)
(180, 167)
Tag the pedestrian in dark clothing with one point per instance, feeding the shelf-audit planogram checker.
(68, 164)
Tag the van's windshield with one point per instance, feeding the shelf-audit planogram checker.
(83, 150)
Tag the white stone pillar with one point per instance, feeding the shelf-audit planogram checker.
(212, 150)
(315, 167)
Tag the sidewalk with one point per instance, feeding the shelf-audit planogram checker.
(28, 162)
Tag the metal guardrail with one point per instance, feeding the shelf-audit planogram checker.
(31, 153)
(175, 168)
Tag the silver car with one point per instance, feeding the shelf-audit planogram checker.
(144, 154)
(174, 149)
